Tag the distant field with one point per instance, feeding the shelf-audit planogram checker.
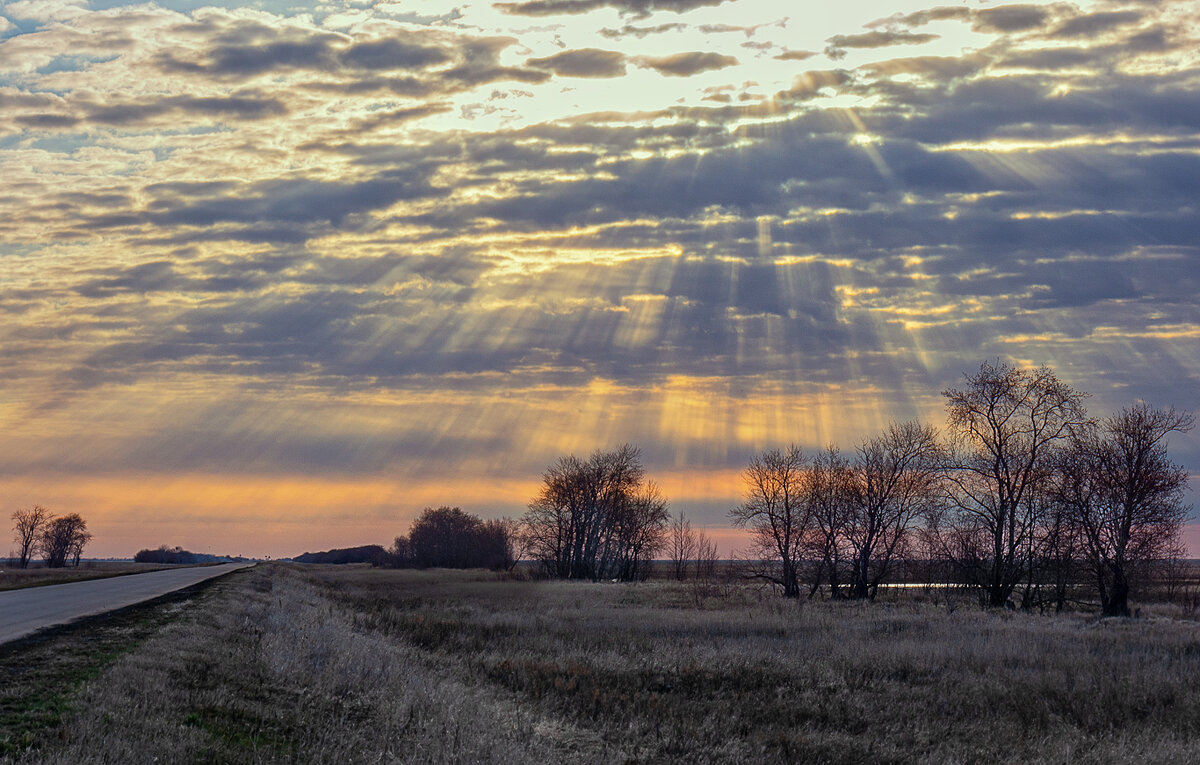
(346, 664)
(12, 578)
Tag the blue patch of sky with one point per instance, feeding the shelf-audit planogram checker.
(14, 250)
(19, 27)
(68, 143)
(72, 63)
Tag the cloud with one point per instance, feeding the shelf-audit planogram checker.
(302, 202)
(636, 7)
(876, 39)
(314, 52)
(795, 55)
(941, 68)
(1092, 24)
(46, 10)
(630, 30)
(687, 64)
(1011, 18)
(920, 18)
(82, 113)
(269, 215)
(585, 62)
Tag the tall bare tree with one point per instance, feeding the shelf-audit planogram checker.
(778, 514)
(895, 482)
(1004, 424)
(28, 524)
(1126, 497)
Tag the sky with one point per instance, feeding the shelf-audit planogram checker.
(274, 276)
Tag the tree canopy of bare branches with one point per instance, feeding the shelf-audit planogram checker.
(597, 519)
(895, 482)
(778, 514)
(827, 491)
(28, 524)
(1126, 497)
(63, 540)
(1004, 424)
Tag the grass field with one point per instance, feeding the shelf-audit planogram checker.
(319, 664)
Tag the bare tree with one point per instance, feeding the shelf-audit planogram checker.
(1004, 424)
(707, 555)
(681, 545)
(640, 532)
(777, 512)
(1127, 497)
(28, 524)
(448, 537)
(827, 491)
(515, 540)
(1057, 549)
(705, 570)
(62, 539)
(598, 518)
(895, 482)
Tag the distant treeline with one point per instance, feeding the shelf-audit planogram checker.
(373, 554)
(176, 554)
(443, 537)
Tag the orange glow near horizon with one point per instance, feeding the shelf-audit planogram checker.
(257, 516)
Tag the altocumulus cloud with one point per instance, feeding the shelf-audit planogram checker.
(687, 64)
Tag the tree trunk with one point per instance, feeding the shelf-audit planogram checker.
(1116, 601)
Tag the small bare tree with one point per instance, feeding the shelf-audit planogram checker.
(1126, 497)
(681, 545)
(707, 556)
(28, 524)
(703, 582)
(779, 516)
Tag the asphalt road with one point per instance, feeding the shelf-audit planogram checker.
(28, 610)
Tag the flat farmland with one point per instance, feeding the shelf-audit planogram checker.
(316, 664)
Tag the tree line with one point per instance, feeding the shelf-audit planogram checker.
(58, 540)
(1025, 497)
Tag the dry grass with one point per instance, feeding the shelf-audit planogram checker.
(328, 664)
(750, 677)
(12, 578)
(266, 669)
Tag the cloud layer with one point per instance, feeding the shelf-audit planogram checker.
(360, 243)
